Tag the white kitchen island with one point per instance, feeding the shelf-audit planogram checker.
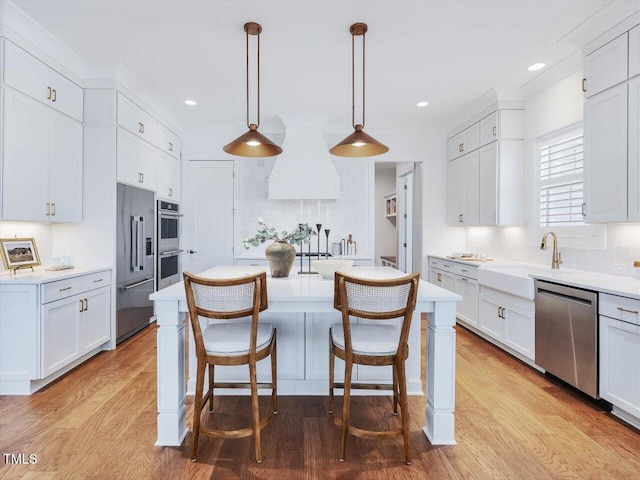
(301, 308)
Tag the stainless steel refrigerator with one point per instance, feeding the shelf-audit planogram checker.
(135, 260)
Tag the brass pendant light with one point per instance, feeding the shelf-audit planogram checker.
(253, 143)
(358, 144)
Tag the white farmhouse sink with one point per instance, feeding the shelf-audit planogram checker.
(511, 279)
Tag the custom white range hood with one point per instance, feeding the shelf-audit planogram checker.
(305, 169)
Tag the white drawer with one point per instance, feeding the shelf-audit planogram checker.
(620, 308)
(441, 264)
(72, 286)
(464, 270)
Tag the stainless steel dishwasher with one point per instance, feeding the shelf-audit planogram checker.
(567, 334)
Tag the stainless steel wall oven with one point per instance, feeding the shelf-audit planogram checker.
(169, 265)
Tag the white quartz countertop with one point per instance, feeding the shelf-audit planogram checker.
(599, 282)
(305, 288)
(39, 275)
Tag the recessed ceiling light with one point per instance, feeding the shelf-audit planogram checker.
(191, 102)
(422, 104)
(536, 66)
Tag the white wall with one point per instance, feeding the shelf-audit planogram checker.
(385, 229)
(559, 105)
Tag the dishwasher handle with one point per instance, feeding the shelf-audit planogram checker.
(563, 296)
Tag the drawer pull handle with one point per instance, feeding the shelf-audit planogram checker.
(65, 289)
(464, 279)
(463, 270)
(628, 311)
(98, 280)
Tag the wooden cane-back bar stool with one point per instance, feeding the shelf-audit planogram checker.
(374, 343)
(231, 342)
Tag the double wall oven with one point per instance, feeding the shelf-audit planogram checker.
(168, 244)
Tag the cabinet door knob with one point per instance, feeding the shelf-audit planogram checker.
(439, 277)
(171, 192)
(48, 93)
(53, 210)
(139, 127)
(494, 131)
(193, 251)
(86, 304)
(583, 210)
(584, 85)
(170, 147)
(54, 96)
(48, 209)
(81, 306)
(142, 127)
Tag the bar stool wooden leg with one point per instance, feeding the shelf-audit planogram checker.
(402, 383)
(255, 411)
(197, 409)
(274, 375)
(332, 361)
(345, 407)
(211, 367)
(395, 390)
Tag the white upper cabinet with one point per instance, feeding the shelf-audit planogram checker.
(168, 141)
(25, 174)
(29, 75)
(463, 190)
(136, 161)
(634, 52)
(169, 178)
(606, 66)
(489, 129)
(485, 185)
(605, 156)
(501, 183)
(136, 120)
(42, 172)
(464, 142)
(634, 149)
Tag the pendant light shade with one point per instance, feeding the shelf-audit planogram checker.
(358, 144)
(253, 143)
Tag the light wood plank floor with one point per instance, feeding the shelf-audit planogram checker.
(512, 423)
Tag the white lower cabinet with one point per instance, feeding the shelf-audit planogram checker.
(460, 278)
(620, 354)
(468, 308)
(61, 323)
(60, 334)
(509, 320)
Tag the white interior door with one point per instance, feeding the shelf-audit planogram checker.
(208, 215)
(405, 223)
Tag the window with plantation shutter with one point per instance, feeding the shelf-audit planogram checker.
(561, 181)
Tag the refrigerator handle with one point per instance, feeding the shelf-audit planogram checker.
(136, 246)
(141, 246)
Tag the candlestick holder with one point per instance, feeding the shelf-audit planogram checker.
(326, 232)
(319, 227)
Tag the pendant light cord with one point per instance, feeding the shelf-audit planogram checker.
(258, 77)
(353, 79)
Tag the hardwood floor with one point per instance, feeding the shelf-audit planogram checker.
(98, 422)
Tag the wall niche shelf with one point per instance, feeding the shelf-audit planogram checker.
(390, 207)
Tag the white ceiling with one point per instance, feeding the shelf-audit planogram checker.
(446, 52)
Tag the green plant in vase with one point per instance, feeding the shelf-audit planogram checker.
(281, 253)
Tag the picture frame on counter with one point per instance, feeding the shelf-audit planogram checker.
(19, 253)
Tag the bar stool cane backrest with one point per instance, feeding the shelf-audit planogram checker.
(376, 300)
(225, 299)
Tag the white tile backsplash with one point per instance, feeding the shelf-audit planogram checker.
(347, 215)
